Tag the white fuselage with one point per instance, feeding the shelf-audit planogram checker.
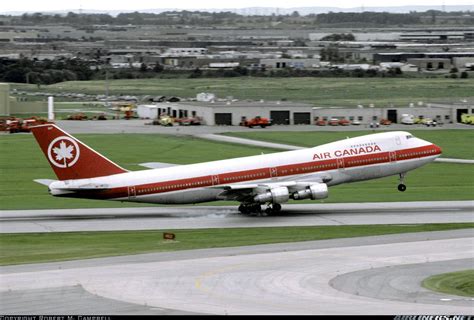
(355, 159)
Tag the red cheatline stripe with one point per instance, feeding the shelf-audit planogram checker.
(265, 173)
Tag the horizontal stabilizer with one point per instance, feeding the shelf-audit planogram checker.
(157, 165)
(45, 182)
(89, 186)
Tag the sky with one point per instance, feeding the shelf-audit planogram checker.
(53, 5)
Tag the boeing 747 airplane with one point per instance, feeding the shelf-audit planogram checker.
(269, 180)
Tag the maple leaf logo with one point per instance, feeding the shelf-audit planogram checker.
(63, 152)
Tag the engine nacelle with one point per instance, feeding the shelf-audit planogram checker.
(315, 191)
(274, 195)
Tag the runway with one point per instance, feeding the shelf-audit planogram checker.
(199, 217)
(315, 277)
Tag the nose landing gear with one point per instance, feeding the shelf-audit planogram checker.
(402, 187)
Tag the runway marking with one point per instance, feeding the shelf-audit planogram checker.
(199, 279)
(200, 286)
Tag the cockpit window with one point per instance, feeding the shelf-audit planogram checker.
(409, 136)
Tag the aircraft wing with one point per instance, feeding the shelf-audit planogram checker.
(157, 165)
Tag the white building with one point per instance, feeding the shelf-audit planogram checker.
(205, 97)
(148, 111)
(290, 63)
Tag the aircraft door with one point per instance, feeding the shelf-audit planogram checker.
(393, 156)
(340, 163)
(398, 140)
(273, 172)
(215, 180)
(132, 192)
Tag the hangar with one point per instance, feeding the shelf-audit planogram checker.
(442, 113)
(284, 112)
(231, 112)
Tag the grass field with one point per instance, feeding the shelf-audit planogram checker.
(454, 143)
(459, 283)
(319, 91)
(45, 247)
(21, 161)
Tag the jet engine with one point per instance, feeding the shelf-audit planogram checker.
(314, 191)
(274, 195)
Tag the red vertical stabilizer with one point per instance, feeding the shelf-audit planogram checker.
(70, 158)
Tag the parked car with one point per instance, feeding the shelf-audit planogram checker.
(320, 122)
(334, 122)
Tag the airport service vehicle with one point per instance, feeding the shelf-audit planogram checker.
(255, 122)
(189, 121)
(408, 119)
(385, 122)
(270, 179)
(467, 118)
(344, 122)
(320, 122)
(429, 122)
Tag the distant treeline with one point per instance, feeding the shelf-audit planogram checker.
(48, 72)
(229, 18)
(44, 72)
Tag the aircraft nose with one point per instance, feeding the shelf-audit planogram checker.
(438, 149)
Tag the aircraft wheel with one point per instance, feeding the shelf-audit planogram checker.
(257, 208)
(243, 209)
(402, 187)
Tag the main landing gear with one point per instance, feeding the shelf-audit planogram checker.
(402, 187)
(256, 208)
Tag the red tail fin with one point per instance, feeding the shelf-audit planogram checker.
(70, 158)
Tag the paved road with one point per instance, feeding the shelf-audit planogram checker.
(314, 277)
(147, 218)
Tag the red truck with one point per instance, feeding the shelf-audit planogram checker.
(255, 122)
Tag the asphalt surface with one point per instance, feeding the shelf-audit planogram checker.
(198, 217)
(314, 277)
